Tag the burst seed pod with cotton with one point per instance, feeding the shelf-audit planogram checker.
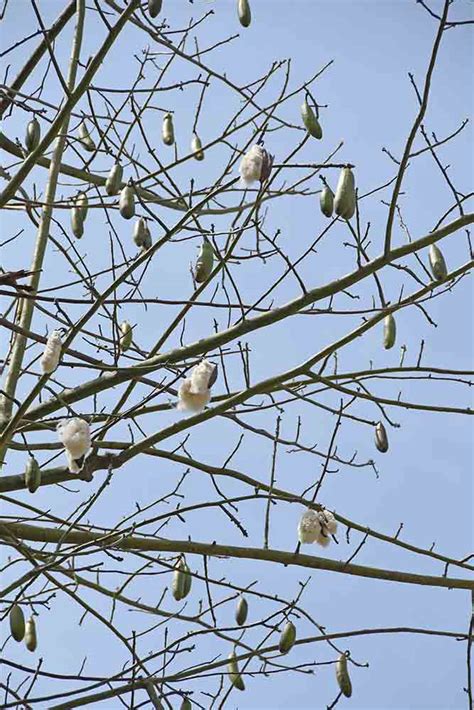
(326, 201)
(245, 15)
(167, 131)
(196, 147)
(389, 331)
(250, 168)
(310, 120)
(154, 8)
(126, 335)
(32, 475)
(204, 262)
(345, 199)
(85, 139)
(317, 526)
(381, 438)
(342, 676)
(33, 135)
(437, 263)
(17, 622)
(287, 638)
(77, 223)
(195, 392)
(127, 201)
(114, 179)
(233, 671)
(242, 611)
(31, 640)
(75, 436)
(52, 352)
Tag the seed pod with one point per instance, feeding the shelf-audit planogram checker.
(83, 204)
(32, 475)
(127, 202)
(287, 638)
(188, 580)
(167, 130)
(389, 331)
(33, 135)
(196, 147)
(84, 138)
(186, 704)
(17, 622)
(205, 261)
(234, 675)
(180, 585)
(77, 223)
(245, 15)
(310, 121)
(126, 335)
(381, 438)
(326, 201)
(112, 184)
(437, 263)
(31, 640)
(242, 611)
(342, 676)
(345, 200)
(154, 8)
(140, 232)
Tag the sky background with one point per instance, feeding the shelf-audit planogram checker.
(426, 478)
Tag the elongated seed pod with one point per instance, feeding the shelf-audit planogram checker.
(437, 263)
(345, 199)
(196, 147)
(139, 232)
(167, 130)
(31, 639)
(85, 139)
(326, 201)
(287, 638)
(126, 335)
(188, 580)
(17, 622)
(186, 704)
(32, 475)
(82, 204)
(381, 438)
(389, 331)
(33, 135)
(154, 8)
(112, 184)
(233, 670)
(310, 121)
(127, 202)
(179, 580)
(245, 15)
(77, 223)
(342, 676)
(147, 239)
(205, 261)
(242, 611)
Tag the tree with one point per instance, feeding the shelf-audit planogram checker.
(179, 536)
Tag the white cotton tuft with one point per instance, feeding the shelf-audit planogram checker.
(317, 526)
(75, 435)
(200, 377)
(52, 352)
(189, 401)
(250, 168)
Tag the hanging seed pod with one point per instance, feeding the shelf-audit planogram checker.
(127, 202)
(326, 201)
(342, 676)
(389, 331)
(196, 147)
(126, 335)
(84, 138)
(205, 261)
(242, 611)
(147, 239)
(167, 130)
(33, 135)
(345, 200)
(437, 263)
(17, 622)
(233, 670)
(188, 580)
(245, 15)
(381, 438)
(140, 232)
(82, 204)
(310, 121)
(77, 223)
(287, 638)
(186, 704)
(32, 475)
(31, 640)
(154, 8)
(179, 583)
(112, 184)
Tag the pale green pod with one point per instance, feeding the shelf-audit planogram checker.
(167, 130)
(140, 232)
(389, 331)
(196, 147)
(310, 121)
(114, 179)
(17, 622)
(326, 201)
(205, 262)
(31, 639)
(85, 138)
(126, 335)
(245, 15)
(287, 638)
(188, 580)
(186, 704)
(381, 438)
(342, 676)
(437, 263)
(32, 475)
(233, 670)
(242, 611)
(154, 8)
(127, 202)
(77, 223)
(345, 199)
(82, 204)
(179, 581)
(33, 135)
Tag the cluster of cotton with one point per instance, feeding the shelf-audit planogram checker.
(317, 526)
(75, 435)
(255, 165)
(52, 353)
(195, 392)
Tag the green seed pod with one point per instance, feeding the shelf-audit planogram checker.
(205, 261)
(233, 670)
(33, 135)
(345, 200)
(112, 184)
(287, 638)
(326, 201)
(196, 147)
(127, 202)
(32, 475)
(84, 138)
(381, 438)
(17, 622)
(126, 335)
(186, 704)
(167, 130)
(242, 611)
(389, 331)
(82, 204)
(31, 640)
(342, 676)
(179, 581)
(154, 8)
(310, 121)
(437, 263)
(77, 223)
(245, 15)
(188, 580)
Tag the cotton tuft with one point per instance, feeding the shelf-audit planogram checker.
(250, 168)
(317, 526)
(195, 392)
(75, 435)
(52, 353)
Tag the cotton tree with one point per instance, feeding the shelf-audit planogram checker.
(218, 349)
